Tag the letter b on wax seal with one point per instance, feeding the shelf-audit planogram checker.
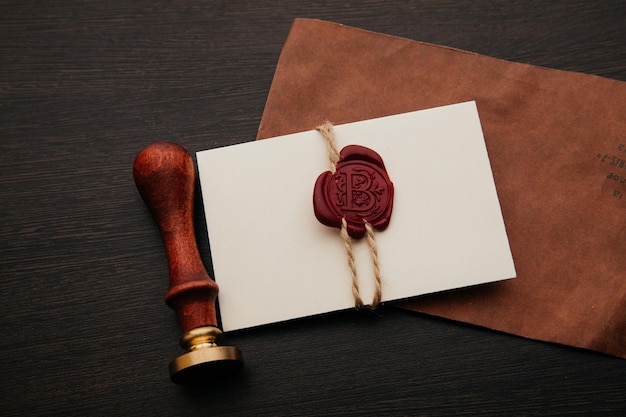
(359, 191)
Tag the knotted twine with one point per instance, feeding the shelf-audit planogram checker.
(327, 131)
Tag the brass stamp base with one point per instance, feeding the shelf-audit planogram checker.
(206, 365)
(205, 361)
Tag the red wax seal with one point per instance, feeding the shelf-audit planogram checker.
(359, 191)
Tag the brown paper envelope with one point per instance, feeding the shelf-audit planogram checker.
(557, 145)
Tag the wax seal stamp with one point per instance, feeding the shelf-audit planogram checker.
(359, 191)
(165, 177)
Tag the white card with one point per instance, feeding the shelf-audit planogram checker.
(273, 260)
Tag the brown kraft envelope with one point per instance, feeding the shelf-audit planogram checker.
(557, 145)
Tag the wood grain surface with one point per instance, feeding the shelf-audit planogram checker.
(85, 85)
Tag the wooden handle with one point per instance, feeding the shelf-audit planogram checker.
(165, 177)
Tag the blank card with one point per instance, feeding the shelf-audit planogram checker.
(274, 261)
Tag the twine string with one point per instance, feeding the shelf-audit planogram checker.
(347, 242)
(327, 131)
(374, 253)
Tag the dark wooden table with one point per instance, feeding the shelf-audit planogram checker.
(85, 332)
